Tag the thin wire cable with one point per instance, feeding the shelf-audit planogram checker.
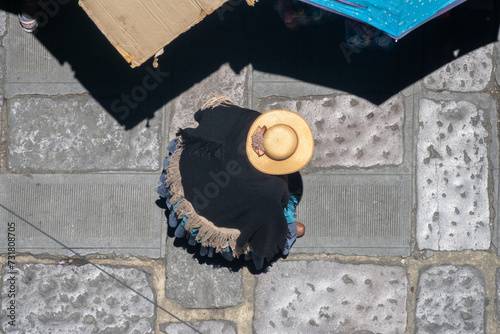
(101, 269)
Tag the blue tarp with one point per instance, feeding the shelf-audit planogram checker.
(395, 17)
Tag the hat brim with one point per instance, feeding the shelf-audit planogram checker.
(305, 146)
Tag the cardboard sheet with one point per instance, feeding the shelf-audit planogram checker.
(139, 29)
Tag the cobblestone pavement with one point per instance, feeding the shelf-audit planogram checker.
(400, 198)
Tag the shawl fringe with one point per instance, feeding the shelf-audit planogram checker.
(216, 100)
(208, 234)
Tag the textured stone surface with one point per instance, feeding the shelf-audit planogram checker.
(266, 84)
(452, 176)
(195, 285)
(69, 299)
(326, 297)
(349, 131)
(353, 214)
(74, 134)
(2, 70)
(497, 67)
(205, 327)
(32, 68)
(450, 299)
(93, 213)
(498, 290)
(224, 82)
(3, 23)
(2, 82)
(469, 73)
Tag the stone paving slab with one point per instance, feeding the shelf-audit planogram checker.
(452, 173)
(100, 213)
(75, 134)
(2, 81)
(349, 131)
(198, 285)
(327, 297)
(32, 69)
(3, 23)
(205, 327)
(469, 73)
(497, 281)
(497, 67)
(450, 299)
(362, 214)
(269, 84)
(70, 299)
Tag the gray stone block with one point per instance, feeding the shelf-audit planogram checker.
(32, 69)
(2, 83)
(269, 84)
(2, 68)
(75, 134)
(224, 82)
(69, 299)
(498, 290)
(497, 67)
(266, 77)
(327, 297)
(3, 23)
(96, 213)
(468, 73)
(450, 299)
(195, 285)
(205, 327)
(356, 214)
(452, 175)
(349, 131)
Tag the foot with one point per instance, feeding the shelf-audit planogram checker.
(28, 23)
(301, 229)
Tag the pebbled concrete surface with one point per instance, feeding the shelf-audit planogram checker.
(450, 299)
(452, 176)
(320, 297)
(3, 23)
(69, 299)
(497, 65)
(468, 73)
(74, 134)
(349, 131)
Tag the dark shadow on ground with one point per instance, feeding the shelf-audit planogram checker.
(218, 261)
(242, 35)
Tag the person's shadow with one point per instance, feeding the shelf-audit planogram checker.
(242, 35)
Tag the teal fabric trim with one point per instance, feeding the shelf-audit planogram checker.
(289, 210)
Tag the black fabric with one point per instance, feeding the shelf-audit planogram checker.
(225, 188)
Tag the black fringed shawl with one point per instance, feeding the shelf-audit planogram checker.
(223, 187)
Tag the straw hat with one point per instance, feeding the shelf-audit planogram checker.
(279, 142)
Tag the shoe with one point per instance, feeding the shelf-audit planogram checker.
(301, 229)
(29, 24)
